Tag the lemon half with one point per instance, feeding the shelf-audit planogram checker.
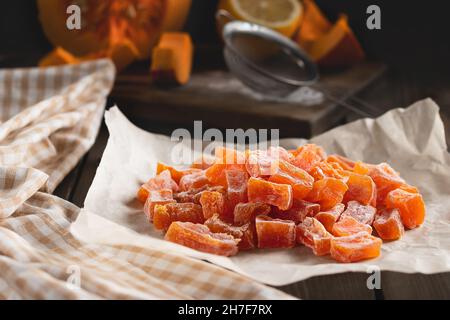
(283, 16)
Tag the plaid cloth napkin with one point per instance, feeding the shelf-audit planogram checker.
(49, 119)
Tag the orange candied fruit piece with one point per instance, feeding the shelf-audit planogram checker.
(362, 213)
(226, 159)
(275, 233)
(212, 203)
(247, 212)
(308, 156)
(236, 188)
(313, 234)
(328, 192)
(164, 215)
(176, 174)
(388, 224)
(193, 180)
(410, 205)
(199, 237)
(361, 188)
(143, 193)
(386, 179)
(245, 233)
(344, 162)
(299, 179)
(298, 212)
(259, 163)
(279, 195)
(361, 168)
(329, 218)
(193, 195)
(163, 180)
(348, 225)
(327, 170)
(356, 247)
(155, 197)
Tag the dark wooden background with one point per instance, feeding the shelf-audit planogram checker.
(413, 43)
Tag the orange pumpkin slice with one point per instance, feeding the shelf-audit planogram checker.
(338, 48)
(314, 25)
(172, 58)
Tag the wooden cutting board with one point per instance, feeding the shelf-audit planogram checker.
(218, 99)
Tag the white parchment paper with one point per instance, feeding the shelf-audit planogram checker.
(412, 140)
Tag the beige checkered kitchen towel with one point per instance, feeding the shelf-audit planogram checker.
(49, 119)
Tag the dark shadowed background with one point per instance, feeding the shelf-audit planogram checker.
(415, 34)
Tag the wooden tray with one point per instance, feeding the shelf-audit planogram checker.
(221, 101)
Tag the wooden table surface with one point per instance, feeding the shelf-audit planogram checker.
(393, 89)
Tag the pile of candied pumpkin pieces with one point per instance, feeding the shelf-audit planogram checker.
(278, 198)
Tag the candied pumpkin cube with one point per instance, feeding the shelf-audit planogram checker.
(326, 169)
(313, 234)
(164, 215)
(275, 233)
(199, 237)
(299, 179)
(196, 179)
(386, 179)
(226, 159)
(247, 212)
(361, 188)
(298, 212)
(308, 156)
(356, 247)
(193, 195)
(236, 188)
(410, 205)
(388, 224)
(155, 197)
(212, 202)
(259, 163)
(245, 233)
(163, 180)
(329, 218)
(175, 174)
(328, 192)
(362, 213)
(344, 162)
(348, 225)
(279, 195)
(143, 192)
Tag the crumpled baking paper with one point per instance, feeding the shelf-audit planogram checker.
(412, 140)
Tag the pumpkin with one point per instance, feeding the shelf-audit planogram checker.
(106, 22)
